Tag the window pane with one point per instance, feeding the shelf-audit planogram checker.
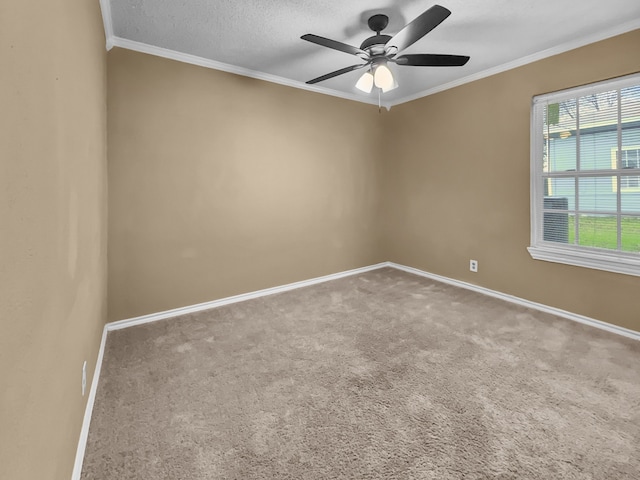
(560, 136)
(631, 234)
(630, 114)
(630, 138)
(598, 194)
(560, 188)
(630, 193)
(555, 224)
(598, 123)
(598, 231)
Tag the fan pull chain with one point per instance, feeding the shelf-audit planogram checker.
(379, 104)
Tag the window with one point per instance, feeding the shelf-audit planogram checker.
(585, 176)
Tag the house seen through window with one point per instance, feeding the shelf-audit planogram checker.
(630, 159)
(586, 176)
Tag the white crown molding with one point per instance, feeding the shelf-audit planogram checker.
(225, 67)
(565, 47)
(84, 431)
(130, 322)
(105, 8)
(522, 302)
(113, 41)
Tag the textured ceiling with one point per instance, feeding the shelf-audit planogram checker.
(261, 38)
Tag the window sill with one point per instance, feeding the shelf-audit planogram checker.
(625, 263)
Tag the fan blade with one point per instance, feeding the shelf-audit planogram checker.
(343, 47)
(419, 27)
(336, 73)
(432, 60)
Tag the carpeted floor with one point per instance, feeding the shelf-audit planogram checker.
(377, 376)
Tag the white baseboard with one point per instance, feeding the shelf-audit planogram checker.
(84, 433)
(130, 322)
(153, 317)
(521, 301)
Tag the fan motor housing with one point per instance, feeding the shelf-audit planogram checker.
(377, 42)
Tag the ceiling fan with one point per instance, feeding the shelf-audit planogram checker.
(379, 50)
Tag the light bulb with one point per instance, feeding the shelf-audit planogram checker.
(383, 78)
(365, 83)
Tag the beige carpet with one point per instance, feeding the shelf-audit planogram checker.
(377, 376)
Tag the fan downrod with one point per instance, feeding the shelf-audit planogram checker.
(378, 22)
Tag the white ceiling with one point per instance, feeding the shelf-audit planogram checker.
(261, 38)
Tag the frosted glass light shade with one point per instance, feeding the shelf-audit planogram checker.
(393, 86)
(383, 78)
(365, 83)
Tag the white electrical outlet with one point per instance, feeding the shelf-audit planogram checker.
(473, 265)
(84, 377)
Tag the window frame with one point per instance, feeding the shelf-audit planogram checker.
(596, 258)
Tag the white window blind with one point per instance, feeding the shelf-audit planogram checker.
(585, 176)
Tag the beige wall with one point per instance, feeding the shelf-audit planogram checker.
(457, 185)
(221, 184)
(52, 228)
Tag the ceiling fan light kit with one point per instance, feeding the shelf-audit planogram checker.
(365, 83)
(380, 50)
